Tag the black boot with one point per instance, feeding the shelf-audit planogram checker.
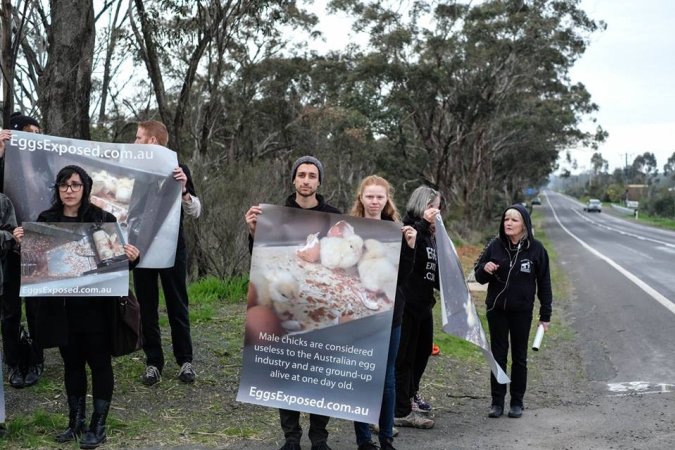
(76, 413)
(96, 434)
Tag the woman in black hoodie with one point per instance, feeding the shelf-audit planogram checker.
(417, 292)
(515, 266)
(79, 326)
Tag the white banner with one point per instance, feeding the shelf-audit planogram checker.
(321, 301)
(459, 315)
(133, 182)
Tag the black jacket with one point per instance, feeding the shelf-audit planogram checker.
(420, 270)
(523, 271)
(58, 317)
(322, 206)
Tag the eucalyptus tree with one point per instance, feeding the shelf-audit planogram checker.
(669, 166)
(480, 99)
(202, 43)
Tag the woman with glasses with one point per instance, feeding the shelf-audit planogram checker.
(79, 326)
(417, 326)
(515, 266)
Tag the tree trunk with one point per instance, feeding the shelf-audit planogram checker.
(112, 41)
(146, 41)
(7, 63)
(65, 85)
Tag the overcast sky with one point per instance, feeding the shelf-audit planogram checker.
(629, 69)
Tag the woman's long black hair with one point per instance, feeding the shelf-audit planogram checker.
(61, 178)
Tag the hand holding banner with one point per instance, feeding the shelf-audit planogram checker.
(131, 181)
(319, 313)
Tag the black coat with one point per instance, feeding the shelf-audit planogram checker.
(523, 272)
(58, 317)
(421, 266)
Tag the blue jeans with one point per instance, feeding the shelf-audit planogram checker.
(388, 396)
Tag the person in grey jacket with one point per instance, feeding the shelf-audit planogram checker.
(516, 267)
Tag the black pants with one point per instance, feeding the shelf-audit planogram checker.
(505, 325)
(10, 312)
(290, 424)
(92, 349)
(174, 284)
(417, 338)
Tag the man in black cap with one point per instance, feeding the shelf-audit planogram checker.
(10, 302)
(307, 174)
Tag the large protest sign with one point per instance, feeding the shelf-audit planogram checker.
(133, 182)
(73, 259)
(321, 303)
(459, 316)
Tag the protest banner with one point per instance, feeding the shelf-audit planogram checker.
(319, 313)
(132, 182)
(458, 313)
(73, 259)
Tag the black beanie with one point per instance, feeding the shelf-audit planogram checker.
(18, 121)
(307, 160)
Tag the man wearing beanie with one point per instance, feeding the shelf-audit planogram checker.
(19, 375)
(306, 175)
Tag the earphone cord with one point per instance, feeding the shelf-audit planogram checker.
(508, 276)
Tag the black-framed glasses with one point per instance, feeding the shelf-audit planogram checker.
(75, 187)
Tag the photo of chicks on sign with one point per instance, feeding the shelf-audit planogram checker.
(311, 270)
(73, 259)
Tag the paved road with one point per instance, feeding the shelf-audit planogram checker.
(624, 278)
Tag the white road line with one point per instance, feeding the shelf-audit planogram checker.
(670, 306)
(621, 232)
(632, 388)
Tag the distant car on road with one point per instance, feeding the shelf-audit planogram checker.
(593, 205)
(536, 200)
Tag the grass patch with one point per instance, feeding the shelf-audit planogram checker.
(212, 289)
(662, 222)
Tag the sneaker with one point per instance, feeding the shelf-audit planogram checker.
(415, 420)
(32, 375)
(187, 373)
(419, 405)
(16, 378)
(151, 376)
(368, 446)
(291, 446)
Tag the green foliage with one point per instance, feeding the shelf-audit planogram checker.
(211, 289)
(661, 205)
(613, 193)
(206, 294)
